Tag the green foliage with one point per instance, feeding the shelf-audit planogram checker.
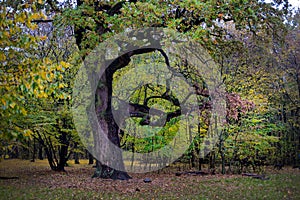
(257, 52)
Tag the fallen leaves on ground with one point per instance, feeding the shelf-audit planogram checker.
(78, 177)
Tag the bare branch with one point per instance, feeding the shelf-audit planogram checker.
(42, 21)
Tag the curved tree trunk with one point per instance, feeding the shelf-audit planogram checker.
(109, 126)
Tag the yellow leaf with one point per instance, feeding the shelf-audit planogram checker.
(32, 26)
(35, 16)
(202, 130)
(43, 75)
(42, 95)
(6, 33)
(61, 96)
(51, 77)
(61, 85)
(3, 101)
(23, 111)
(12, 105)
(64, 64)
(2, 57)
(21, 18)
(27, 133)
(43, 37)
(59, 68)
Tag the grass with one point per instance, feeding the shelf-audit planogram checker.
(37, 181)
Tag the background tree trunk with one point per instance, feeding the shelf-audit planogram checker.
(76, 155)
(91, 158)
(40, 152)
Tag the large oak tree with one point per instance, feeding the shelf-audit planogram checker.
(204, 21)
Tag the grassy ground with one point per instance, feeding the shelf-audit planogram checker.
(37, 181)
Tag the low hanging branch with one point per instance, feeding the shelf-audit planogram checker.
(8, 177)
(42, 21)
(142, 111)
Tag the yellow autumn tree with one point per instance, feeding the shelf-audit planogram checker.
(23, 74)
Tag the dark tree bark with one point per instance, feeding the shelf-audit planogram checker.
(76, 155)
(40, 152)
(33, 151)
(91, 158)
(64, 140)
(62, 158)
(108, 124)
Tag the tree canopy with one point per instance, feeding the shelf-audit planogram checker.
(253, 43)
